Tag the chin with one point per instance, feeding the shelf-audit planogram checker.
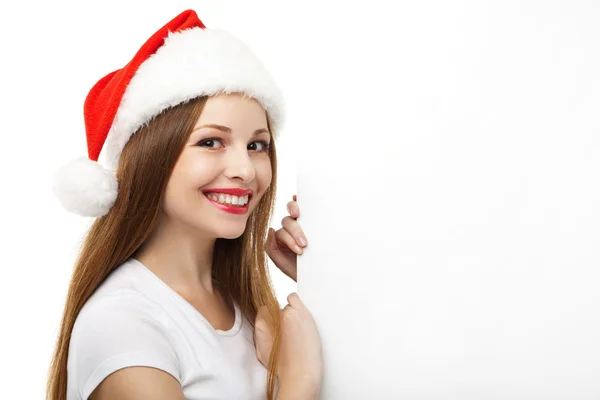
(227, 230)
(230, 234)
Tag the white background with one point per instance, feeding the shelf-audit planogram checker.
(446, 159)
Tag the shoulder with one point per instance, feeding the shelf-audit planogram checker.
(117, 306)
(138, 383)
(115, 331)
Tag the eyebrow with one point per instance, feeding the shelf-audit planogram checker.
(227, 129)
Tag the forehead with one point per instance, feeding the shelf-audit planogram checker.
(233, 110)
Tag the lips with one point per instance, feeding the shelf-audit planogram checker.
(230, 191)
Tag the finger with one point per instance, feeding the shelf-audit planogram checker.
(293, 228)
(294, 301)
(295, 198)
(293, 209)
(271, 240)
(278, 254)
(285, 310)
(283, 237)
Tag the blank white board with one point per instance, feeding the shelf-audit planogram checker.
(449, 185)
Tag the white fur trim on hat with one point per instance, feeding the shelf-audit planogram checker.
(191, 63)
(84, 187)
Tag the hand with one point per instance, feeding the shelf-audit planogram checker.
(284, 245)
(300, 357)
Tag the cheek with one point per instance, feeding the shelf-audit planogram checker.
(185, 180)
(175, 198)
(194, 172)
(264, 175)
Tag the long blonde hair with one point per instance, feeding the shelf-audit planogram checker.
(240, 267)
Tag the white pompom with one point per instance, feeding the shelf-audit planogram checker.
(84, 187)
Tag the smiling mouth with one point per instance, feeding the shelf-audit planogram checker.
(215, 197)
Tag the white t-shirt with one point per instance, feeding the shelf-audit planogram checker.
(135, 319)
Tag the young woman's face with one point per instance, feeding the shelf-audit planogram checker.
(227, 149)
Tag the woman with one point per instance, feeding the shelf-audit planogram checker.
(170, 296)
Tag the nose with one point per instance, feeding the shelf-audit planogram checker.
(239, 164)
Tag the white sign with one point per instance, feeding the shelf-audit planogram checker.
(449, 185)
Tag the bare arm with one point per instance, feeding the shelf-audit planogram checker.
(135, 383)
(298, 391)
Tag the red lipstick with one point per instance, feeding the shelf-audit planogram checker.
(230, 191)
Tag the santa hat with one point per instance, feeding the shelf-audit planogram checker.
(181, 61)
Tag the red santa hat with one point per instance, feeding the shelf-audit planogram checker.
(181, 61)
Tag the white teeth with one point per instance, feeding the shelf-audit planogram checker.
(227, 199)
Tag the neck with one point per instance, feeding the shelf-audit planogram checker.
(181, 258)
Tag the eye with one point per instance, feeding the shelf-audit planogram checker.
(265, 145)
(209, 142)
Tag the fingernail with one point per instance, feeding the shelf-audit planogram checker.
(298, 249)
(302, 241)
